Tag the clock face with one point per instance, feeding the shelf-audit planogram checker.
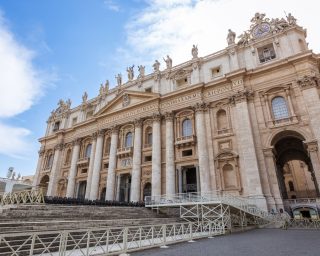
(261, 30)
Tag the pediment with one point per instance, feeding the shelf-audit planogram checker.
(126, 99)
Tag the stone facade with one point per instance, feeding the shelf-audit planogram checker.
(229, 121)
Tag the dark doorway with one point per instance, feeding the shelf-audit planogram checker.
(146, 190)
(82, 189)
(189, 180)
(44, 182)
(125, 185)
(103, 194)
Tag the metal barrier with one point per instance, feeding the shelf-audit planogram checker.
(301, 224)
(212, 197)
(107, 241)
(22, 197)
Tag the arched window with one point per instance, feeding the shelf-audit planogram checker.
(50, 161)
(149, 136)
(68, 157)
(291, 187)
(222, 120)
(186, 127)
(107, 146)
(279, 108)
(128, 140)
(229, 176)
(88, 151)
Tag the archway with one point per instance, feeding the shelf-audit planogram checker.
(82, 189)
(295, 173)
(125, 185)
(44, 182)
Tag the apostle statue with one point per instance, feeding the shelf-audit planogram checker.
(231, 37)
(101, 90)
(130, 73)
(168, 62)
(156, 66)
(291, 20)
(141, 71)
(84, 97)
(9, 173)
(106, 86)
(194, 51)
(119, 79)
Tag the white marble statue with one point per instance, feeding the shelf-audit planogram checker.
(141, 71)
(119, 79)
(168, 62)
(194, 51)
(130, 73)
(156, 66)
(231, 37)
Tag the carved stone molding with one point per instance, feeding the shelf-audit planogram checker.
(59, 146)
(307, 81)
(312, 146)
(241, 96)
(94, 135)
(156, 117)
(138, 122)
(77, 141)
(157, 76)
(100, 132)
(114, 129)
(168, 116)
(201, 107)
(41, 152)
(268, 152)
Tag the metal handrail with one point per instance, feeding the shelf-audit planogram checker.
(105, 241)
(22, 197)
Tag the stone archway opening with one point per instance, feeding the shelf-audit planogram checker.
(295, 172)
(44, 182)
(146, 190)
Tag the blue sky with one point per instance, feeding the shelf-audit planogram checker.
(58, 49)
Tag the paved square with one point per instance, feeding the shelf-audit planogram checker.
(262, 242)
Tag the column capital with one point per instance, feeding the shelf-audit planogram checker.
(308, 81)
(156, 117)
(114, 129)
(41, 151)
(59, 146)
(138, 123)
(76, 141)
(200, 107)
(94, 135)
(100, 132)
(241, 96)
(312, 146)
(168, 116)
(268, 152)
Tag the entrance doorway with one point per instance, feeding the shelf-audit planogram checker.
(82, 189)
(189, 179)
(295, 173)
(125, 185)
(146, 190)
(44, 182)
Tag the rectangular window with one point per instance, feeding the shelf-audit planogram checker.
(148, 89)
(56, 126)
(216, 72)
(89, 114)
(74, 121)
(148, 158)
(106, 166)
(83, 171)
(266, 53)
(182, 81)
(187, 152)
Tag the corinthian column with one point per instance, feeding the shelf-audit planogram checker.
(136, 163)
(91, 164)
(202, 148)
(170, 170)
(39, 166)
(97, 166)
(73, 168)
(314, 156)
(156, 156)
(112, 164)
(52, 187)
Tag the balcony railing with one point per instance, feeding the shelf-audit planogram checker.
(186, 140)
(124, 152)
(147, 146)
(224, 131)
(84, 161)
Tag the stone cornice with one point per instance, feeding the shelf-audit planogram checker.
(241, 96)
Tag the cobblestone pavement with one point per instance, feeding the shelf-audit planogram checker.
(261, 242)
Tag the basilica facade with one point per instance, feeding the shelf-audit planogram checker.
(244, 120)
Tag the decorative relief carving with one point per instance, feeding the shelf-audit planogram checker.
(101, 132)
(41, 152)
(312, 146)
(138, 122)
(125, 100)
(76, 141)
(241, 96)
(307, 81)
(63, 110)
(200, 107)
(126, 162)
(114, 129)
(59, 146)
(168, 116)
(156, 117)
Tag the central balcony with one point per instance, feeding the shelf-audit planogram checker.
(185, 141)
(84, 161)
(124, 152)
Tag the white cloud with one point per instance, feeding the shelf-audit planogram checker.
(173, 26)
(111, 5)
(21, 84)
(14, 141)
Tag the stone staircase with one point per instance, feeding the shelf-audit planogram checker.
(47, 217)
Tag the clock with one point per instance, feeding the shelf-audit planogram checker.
(261, 30)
